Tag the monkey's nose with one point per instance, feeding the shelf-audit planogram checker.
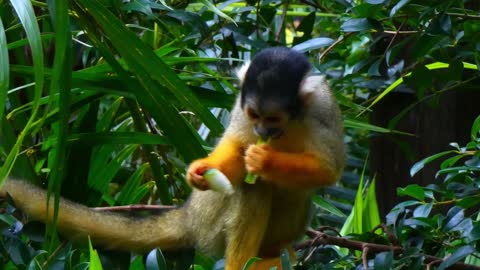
(267, 133)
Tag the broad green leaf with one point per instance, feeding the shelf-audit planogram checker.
(383, 261)
(475, 133)
(454, 216)
(420, 164)
(423, 210)
(155, 260)
(4, 71)
(468, 202)
(414, 191)
(398, 6)
(456, 256)
(359, 24)
(95, 263)
(313, 44)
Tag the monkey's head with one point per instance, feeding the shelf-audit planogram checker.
(271, 89)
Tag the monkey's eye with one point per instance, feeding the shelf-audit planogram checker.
(252, 114)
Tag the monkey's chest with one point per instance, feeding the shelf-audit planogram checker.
(294, 140)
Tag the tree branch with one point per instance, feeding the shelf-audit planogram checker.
(321, 239)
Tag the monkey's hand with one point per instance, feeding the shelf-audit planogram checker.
(195, 174)
(227, 157)
(304, 170)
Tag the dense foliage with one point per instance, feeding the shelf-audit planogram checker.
(106, 101)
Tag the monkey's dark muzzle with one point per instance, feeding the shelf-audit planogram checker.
(268, 133)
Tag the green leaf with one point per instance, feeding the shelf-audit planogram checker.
(361, 125)
(371, 214)
(423, 210)
(454, 216)
(60, 86)
(151, 95)
(101, 172)
(313, 44)
(398, 6)
(456, 256)
(360, 24)
(383, 261)
(475, 133)
(468, 202)
(95, 263)
(127, 193)
(414, 191)
(144, 58)
(155, 260)
(106, 120)
(25, 13)
(250, 262)
(4, 72)
(420, 164)
(325, 205)
(217, 11)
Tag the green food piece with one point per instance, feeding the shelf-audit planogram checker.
(252, 178)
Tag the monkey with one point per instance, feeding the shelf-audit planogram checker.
(279, 100)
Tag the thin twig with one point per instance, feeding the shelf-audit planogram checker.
(340, 40)
(282, 21)
(464, 16)
(432, 263)
(389, 233)
(364, 257)
(53, 254)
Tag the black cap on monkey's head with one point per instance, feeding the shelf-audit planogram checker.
(274, 78)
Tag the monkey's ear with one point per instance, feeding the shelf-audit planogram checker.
(311, 85)
(242, 71)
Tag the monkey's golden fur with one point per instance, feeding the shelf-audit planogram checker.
(256, 221)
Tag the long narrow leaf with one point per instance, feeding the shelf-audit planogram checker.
(25, 13)
(4, 71)
(150, 96)
(60, 84)
(144, 58)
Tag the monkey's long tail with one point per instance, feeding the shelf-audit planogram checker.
(110, 230)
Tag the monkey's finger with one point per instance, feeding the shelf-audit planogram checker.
(198, 181)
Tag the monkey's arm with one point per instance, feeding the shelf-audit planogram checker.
(305, 170)
(227, 157)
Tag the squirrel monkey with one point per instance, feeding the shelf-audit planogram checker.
(279, 100)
